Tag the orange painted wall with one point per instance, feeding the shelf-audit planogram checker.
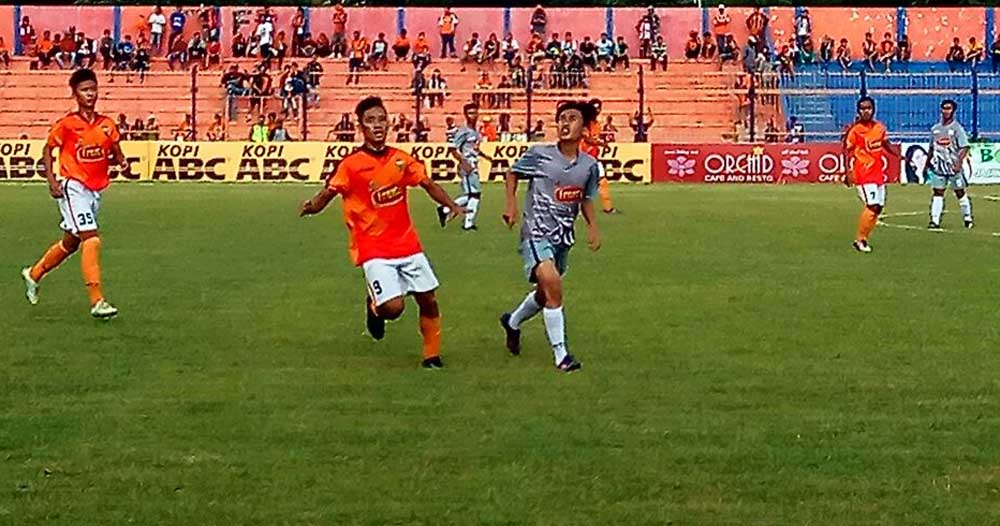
(581, 22)
(7, 26)
(91, 20)
(931, 29)
(675, 24)
(852, 24)
(480, 20)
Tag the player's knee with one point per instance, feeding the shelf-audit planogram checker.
(475, 195)
(940, 192)
(70, 243)
(391, 309)
(959, 193)
(428, 305)
(88, 235)
(876, 209)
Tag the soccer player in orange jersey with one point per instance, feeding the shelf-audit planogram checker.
(866, 145)
(88, 143)
(373, 183)
(592, 144)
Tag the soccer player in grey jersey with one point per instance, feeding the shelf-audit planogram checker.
(562, 182)
(464, 148)
(947, 153)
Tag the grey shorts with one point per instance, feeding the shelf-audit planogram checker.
(535, 251)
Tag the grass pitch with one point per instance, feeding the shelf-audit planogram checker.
(741, 366)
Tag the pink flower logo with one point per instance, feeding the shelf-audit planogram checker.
(680, 166)
(794, 166)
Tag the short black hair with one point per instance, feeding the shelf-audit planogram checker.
(864, 99)
(949, 102)
(470, 106)
(80, 76)
(586, 109)
(368, 103)
(595, 102)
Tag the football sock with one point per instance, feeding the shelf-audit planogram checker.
(525, 311)
(430, 329)
(966, 205)
(555, 328)
(55, 255)
(473, 207)
(605, 192)
(937, 208)
(90, 267)
(462, 200)
(866, 223)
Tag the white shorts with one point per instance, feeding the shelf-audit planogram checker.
(392, 278)
(78, 207)
(872, 194)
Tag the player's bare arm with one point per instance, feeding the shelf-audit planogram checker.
(893, 149)
(119, 159)
(963, 154)
(593, 233)
(464, 165)
(47, 161)
(441, 197)
(510, 192)
(317, 203)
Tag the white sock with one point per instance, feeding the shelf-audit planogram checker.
(966, 205)
(462, 200)
(937, 207)
(472, 207)
(525, 311)
(555, 327)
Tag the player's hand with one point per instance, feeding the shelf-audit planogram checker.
(455, 211)
(307, 208)
(55, 190)
(593, 239)
(465, 167)
(958, 167)
(125, 169)
(510, 215)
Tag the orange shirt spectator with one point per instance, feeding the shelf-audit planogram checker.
(420, 46)
(45, 44)
(488, 130)
(401, 47)
(339, 20)
(359, 47)
(721, 21)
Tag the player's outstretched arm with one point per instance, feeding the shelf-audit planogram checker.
(464, 166)
(510, 192)
(47, 161)
(317, 203)
(118, 157)
(593, 233)
(441, 197)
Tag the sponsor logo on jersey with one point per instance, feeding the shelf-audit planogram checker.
(90, 154)
(387, 196)
(569, 194)
(875, 144)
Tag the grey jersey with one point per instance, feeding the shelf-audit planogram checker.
(946, 143)
(556, 189)
(466, 141)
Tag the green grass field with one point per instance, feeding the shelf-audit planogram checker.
(742, 366)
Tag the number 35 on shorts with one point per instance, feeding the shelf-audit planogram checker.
(872, 194)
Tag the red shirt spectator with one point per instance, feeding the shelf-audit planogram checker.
(26, 32)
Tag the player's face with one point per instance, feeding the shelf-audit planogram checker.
(472, 115)
(866, 110)
(570, 123)
(375, 125)
(85, 94)
(947, 113)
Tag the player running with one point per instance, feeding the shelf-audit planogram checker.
(562, 183)
(948, 151)
(865, 144)
(464, 148)
(88, 143)
(373, 183)
(592, 144)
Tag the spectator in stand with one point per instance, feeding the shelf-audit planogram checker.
(178, 54)
(45, 50)
(234, 83)
(141, 63)
(260, 88)
(771, 132)
(213, 54)
(621, 54)
(447, 25)
(265, 38)
(757, 26)
(750, 54)
(344, 129)
(152, 129)
(26, 33)
(537, 133)
(438, 87)
(324, 48)
(278, 132)
(218, 131)
(488, 130)
(314, 72)
(106, 49)
(808, 55)
(641, 129)
(339, 44)
(66, 46)
(239, 47)
(708, 48)
(658, 54)
(721, 24)
(647, 28)
(536, 49)
(123, 126)
(796, 132)
(298, 31)
(141, 41)
(786, 63)
(609, 131)
(826, 47)
(157, 23)
(588, 51)
(576, 73)
(197, 50)
(975, 54)
(995, 55)
(557, 74)
(450, 129)
(138, 131)
(956, 55)
(177, 21)
(379, 58)
(870, 50)
(844, 55)
(124, 54)
(504, 127)
(359, 50)
(692, 48)
(484, 84)
(539, 21)
(904, 51)
(401, 127)
(554, 49)
(887, 52)
(421, 52)
(509, 49)
(569, 46)
(292, 90)
(4, 54)
(503, 96)
(185, 130)
(517, 74)
(208, 17)
(86, 52)
(491, 49)
(803, 28)
(728, 51)
(421, 131)
(279, 48)
(308, 48)
(605, 52)
(472, 51)
(260, 132)
(401, 47)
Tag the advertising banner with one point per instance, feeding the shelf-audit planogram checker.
(982, 166)
(21, 161)
(754, 163)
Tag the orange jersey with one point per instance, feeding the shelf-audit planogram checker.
(867, 141)
(84, 148)
(374, 187)
(593, 133)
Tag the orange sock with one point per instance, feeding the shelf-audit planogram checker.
(90, 267)
(866, 223)
(605, 193)
(55, 255)
(430, 329)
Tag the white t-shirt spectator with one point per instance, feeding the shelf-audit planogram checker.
(265, 31)
(156, 23)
